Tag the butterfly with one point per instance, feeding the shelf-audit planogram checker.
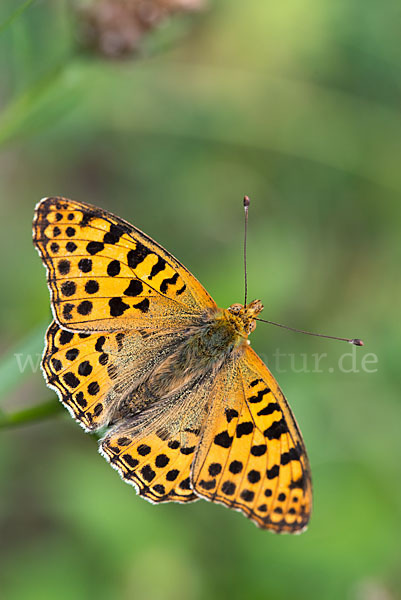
(140, 350)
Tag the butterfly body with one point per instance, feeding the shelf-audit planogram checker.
(202, 349)
(138, 346)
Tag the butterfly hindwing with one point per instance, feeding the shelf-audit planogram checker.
(106, 275)
(252, 457)
(159, 468)
(155, 449)
(96, 375)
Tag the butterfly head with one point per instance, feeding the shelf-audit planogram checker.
(245, 315)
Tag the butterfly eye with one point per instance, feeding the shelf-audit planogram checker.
(235, 308)
(251, 326)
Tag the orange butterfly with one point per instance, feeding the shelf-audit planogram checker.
(137, 345)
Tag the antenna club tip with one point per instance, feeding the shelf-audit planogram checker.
(246, 201)
(357, 342)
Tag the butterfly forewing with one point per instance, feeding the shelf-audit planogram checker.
(106, 275)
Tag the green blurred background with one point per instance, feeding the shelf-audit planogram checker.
(297, 104)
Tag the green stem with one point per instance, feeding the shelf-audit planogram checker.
(29, 415)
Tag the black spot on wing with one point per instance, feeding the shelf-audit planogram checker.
(286, 457)
(85, 308)
(64, 267)
(87, 217)
(98, 409)
(80, 399)
(148, 473)
(85, 265)
(168, 281)
(228, 488)
(247, 495)
(68, 288)
(99, 343)
(135, 288)
(172, 475)
(72, 354)
(71, 247)
(235, 467)
(119, 338)
(135, 257)
(231, 414)
(161, 461)
(113, 235)
(158, 267)
(223, 439)
(65, 337)
(85, 368)
(258, 450)
(275, 431)
(215, 469)
(91, 286)
(113, 268)
(67, 310)
(94, 247)
(143, 449)
(117, 307)
(298, 483)
(133, 462)
(173, 444)
(244, 429)
(103, 359)
(269, 409)
(142, 306)
(273, 472)
(71, 380)
(93, 388)
(207, 485)
(259, 396)
(57, 364)
(181, 290)
(185, 484)
(253, 476)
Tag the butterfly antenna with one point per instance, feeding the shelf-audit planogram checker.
(246, 207)
(354, 341)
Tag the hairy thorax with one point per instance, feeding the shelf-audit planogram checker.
(204, 348)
